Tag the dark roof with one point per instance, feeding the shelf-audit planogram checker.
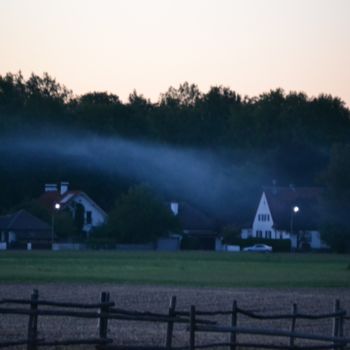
(194, 219)
(4, 221)
(281, 200)
(22, 221)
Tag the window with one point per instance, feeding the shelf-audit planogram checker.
(259, 234)
(263, 217)
(88, 217)
(268, 234)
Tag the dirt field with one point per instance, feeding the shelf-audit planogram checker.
(156, 299)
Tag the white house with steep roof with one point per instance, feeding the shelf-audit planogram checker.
(288, 213)
(264, 225)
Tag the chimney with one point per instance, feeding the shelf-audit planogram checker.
(64, 187)
(174, 206)
(50, 188)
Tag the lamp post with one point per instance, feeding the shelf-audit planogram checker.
(56, 207)
(294, 210)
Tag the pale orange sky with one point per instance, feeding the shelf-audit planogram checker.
(251, 46)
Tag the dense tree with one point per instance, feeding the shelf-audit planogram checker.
(336, 229)
(139, 217)
(185, 95)
(12, 93)
(218, 108)
(65, 227)
(38, 100)
(290, 136)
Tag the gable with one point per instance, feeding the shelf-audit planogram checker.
(263, 216)
(81, 198)
(263, 207)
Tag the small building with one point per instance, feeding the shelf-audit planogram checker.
(20, 228)
(288, 213)
(75, 201)
(200, 231)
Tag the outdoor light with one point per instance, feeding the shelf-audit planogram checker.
(293, 212)
(295, 209)
(57, 207)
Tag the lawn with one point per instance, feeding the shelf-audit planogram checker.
(209, 269)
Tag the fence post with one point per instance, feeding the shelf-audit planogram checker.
(33, 321)
(103, 320)
(233, 337)
(192, 327)
(292, 328)
(170, 328)
(338, 325)
(336, 322)
(341, 328)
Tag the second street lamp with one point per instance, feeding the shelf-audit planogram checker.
(57, 207)
(294, 210)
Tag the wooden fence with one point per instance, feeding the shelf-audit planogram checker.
(195, 322)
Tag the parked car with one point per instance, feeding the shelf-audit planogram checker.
(262, 248)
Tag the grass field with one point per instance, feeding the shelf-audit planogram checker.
(209, 269)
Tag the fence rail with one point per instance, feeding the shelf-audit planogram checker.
(196, 322)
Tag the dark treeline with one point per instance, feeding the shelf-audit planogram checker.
(294, 138)
(220, 118)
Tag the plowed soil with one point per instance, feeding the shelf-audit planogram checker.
(156, 299)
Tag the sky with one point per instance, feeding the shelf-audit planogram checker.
(251, 46)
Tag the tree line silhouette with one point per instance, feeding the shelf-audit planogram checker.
(299, 139)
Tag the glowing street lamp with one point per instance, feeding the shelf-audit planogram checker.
(57, 207)
(293, 212)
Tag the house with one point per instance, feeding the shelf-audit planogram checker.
(288, 213)
(77, 202)
(200, 231)
(20, 228)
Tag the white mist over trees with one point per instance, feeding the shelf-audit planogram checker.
(214, 149)
(199, 176)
